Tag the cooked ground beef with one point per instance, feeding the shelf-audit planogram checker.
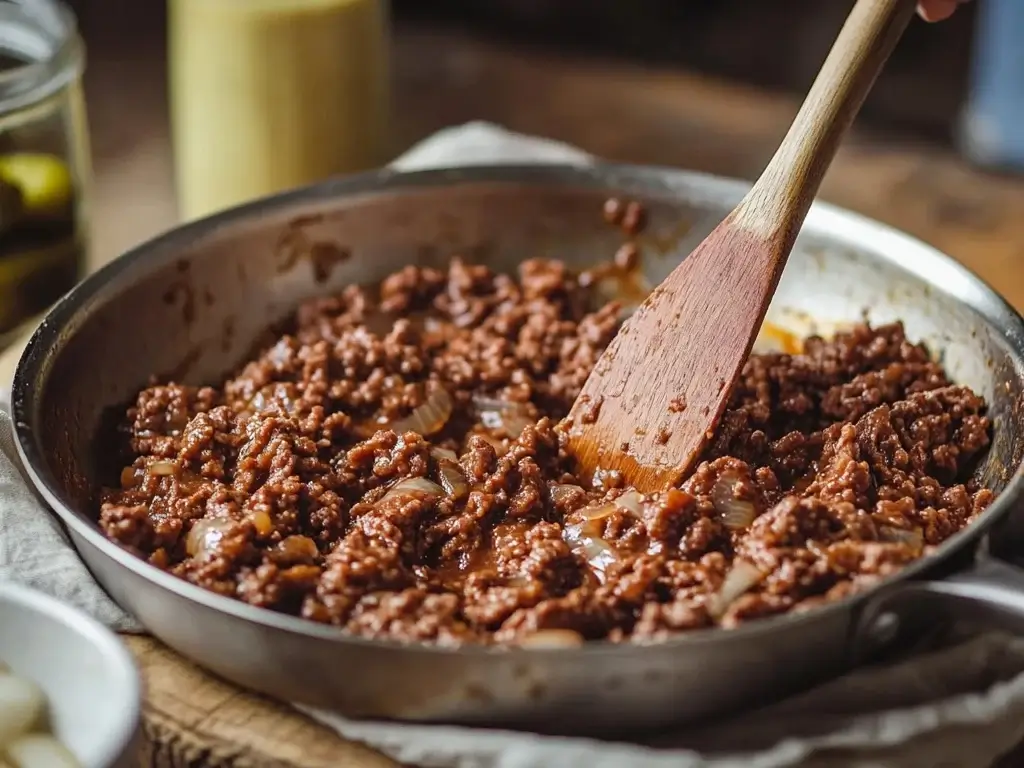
(395, 467)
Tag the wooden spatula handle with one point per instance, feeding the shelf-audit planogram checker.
(791, 180)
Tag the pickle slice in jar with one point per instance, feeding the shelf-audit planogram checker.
(33, 278)
(44, 182)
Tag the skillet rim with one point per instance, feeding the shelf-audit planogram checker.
(942, 272)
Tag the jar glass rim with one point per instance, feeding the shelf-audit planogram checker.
(43, 36)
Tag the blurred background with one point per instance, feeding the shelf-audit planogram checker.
(775, 44)
(634, 80)
(230, 99)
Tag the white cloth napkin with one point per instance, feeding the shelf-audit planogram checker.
(960, 704)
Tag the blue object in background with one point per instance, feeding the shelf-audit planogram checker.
(992, 128)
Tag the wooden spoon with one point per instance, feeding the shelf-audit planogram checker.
(655, 396)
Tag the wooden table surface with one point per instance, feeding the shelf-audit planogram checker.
(612, 110)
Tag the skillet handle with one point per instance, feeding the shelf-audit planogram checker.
(990, 592)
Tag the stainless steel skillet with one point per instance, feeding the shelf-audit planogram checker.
(191, 303)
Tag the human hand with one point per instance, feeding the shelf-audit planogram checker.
(937, 10)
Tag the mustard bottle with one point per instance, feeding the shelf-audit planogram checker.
(267, 95)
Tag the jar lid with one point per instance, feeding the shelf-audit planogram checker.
(40, 39)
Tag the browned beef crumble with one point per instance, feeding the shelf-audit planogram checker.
(395, 467)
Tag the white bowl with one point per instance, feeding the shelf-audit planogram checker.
(90, 679)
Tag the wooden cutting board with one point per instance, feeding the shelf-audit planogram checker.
(193, 720)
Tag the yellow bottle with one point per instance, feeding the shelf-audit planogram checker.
(267, 95)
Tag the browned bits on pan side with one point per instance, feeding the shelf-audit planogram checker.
(634, 218)
(627, 257)
(301, 484)
(629, 216)
(613, 211)
(325, 257)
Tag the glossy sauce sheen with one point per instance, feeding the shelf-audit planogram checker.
(303, 484)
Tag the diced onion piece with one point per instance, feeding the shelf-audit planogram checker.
(428, 417)
(598, 553)
(552, 638)
(22, 706)
(128, 478)
(598, 512)
(205, 535)
(261, 521)
(562, 493)
(741, 577)
(297, 549)
(890, 533)
(628, 502)
(736, 513)
(40, 750)
(452, 479)
(486, 403)
(631, 502)
(443, 453)
(449, 472)
(512, 417)
(162, 468)
(415, 487)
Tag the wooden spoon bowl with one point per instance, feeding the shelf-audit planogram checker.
(655, 397)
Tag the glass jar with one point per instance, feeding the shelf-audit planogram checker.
(267, 95)
(44, 159)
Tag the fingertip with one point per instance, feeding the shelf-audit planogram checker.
(933, 16)
(936, 10)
